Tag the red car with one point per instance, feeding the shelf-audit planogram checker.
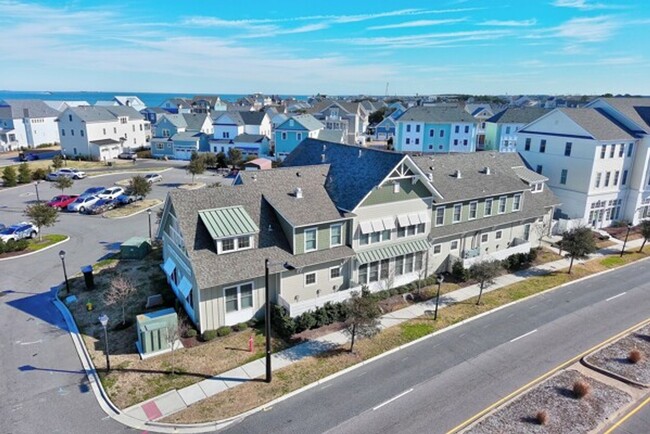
(62, 201)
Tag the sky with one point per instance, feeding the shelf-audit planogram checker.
(332, 47)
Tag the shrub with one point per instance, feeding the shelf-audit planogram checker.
(282, 323)
(581, 389)
(24, 173)
(209, 335)
(252, 322)
(532, 255)
(382, 295)
(15, 246)
(541, 417)
(322, 317)
(635, 356)
(57, 161)
(9, 177)
(305, 321)
(458, 272)
(144, 154)
(223, 331)
(39, 174)
(191, 333)
(241, 326)
(393, 291)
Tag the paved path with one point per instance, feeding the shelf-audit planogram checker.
(176, 400)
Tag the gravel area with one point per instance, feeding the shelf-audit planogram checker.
(614, 358)
(566, 413)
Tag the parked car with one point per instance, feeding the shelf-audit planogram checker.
(18, 232)
(127, 155)
(66, 172)
(82, 203)
(92, 191)
(28, 156)
(111, 193)
(153, 177)
(2, 226)
(127, 198)
(62, 201)
(102, 205)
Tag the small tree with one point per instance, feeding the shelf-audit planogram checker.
(62, 182)
(578, 243)
(363, 316)
(57, 161)
(196, 167)
(139, 186)
(644, 226)
(120, 293)
(541, 229)
(24, 174)
(210, 160)
(222, 161)
(234, 157)
(9, 177)
(377, 116)
(42, 216)
(173, 333)
(485, 272)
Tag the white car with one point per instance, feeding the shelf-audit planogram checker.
(111, 193)
(153, 177)
(82, 203)
(67, 173)
(18, 232)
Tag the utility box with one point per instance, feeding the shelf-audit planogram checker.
(153, 331)
(135, 248)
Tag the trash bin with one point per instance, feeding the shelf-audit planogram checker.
(88, 276)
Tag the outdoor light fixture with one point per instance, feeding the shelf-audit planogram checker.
(65, 274)
(439, 279)
(103, 319)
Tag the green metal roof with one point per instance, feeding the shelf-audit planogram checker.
(392, 251)
(228, 222)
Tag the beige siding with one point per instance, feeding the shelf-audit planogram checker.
(293, 283)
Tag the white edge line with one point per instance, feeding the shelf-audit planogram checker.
(394, 398)
(616, 296)
(37, 251)
(523, 336)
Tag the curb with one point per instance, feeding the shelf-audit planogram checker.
(118, 172)
(37, 251)
(135, 213)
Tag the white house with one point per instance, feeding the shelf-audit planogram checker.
(102, 132)
(27, 123)
(230, 124)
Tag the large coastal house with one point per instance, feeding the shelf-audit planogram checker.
(435, 129)
(102, 132)
(290, 133)
(349, 118)
(177, 136)
(27, 123)
(502, 128)
(481, 112)
(247, 131)
(337, 217)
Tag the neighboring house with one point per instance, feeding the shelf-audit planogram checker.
(350, 118)
(481, 112)
(177, 105)
(61, 105)
(131, 101)
(177, 135)
(152, 113)
(501, 129)
(101, 133)
(595, 164)
(294, 130)
(208, 104)
(250, 145)
(259, 164)
(27, 123)
(230, 124)
(435, 129)
(385, 129)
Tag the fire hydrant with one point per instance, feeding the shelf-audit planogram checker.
(250, 344)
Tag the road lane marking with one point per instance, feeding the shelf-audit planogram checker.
(523, 336)
(392, 399)
(615, 296)
(31, 343)
(533, 306)
(627, 416)
(325, 387)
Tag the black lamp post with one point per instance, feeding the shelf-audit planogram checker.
(103, 319)
(38, 198)
(625, 242)
(149, 213)
(65, 274)
(439, 279)
(267, 315)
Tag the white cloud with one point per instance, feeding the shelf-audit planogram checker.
(509, 23)
(593, 29)
(418, 23)
(429, 39)
(584, 5)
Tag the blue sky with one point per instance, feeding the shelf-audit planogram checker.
(333, 47)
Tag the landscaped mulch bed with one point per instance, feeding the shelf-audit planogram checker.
(619, 232)
(614, 357)
(566, 413)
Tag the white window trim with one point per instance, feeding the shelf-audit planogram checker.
(451, 245)
(304, 234)
(469, 211)
(340, 276)
(331, 226)
(487, 238)
(439, 247)
(239, 308)
(315, 278)
(453, 216)
(498, 235)
(443, 208)
(499, 205)
(236, 244)
(514, 201)
(485, 213)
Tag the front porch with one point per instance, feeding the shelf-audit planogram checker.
(470, 257)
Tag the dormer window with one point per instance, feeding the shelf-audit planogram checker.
(537, 187)
(231, 228)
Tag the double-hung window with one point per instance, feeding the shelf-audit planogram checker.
(457, 212)
(563, 176)
(612, 151)
(310, 240)
(336, 235)
(473, 206)
(488, 207)
(440, 216)
(567, 149)
(408, 263)
(384, 268)
(310, 279)
(399, 265)
(603, 151)
(621, 151)
(516, 202)
(239, 297)
(502, 204)
(363, 274)
(542, 146)
(527, 144)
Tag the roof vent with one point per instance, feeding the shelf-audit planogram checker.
(324, 148)
(298, 193)
(254, 177)
(322, 158)
(298, 174)
(458, 175)
(360, 152)
(270, 229)
(486, 170)
(430, 176)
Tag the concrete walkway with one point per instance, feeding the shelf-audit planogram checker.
(177, 400)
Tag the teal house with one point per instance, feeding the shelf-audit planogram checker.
(294, 130)
(502, 128)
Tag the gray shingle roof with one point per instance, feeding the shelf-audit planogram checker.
(252, 118)
(189, 136)
(95, 113)
(232, 115)
(518, 115)
(307, 121)
(249, 138)
(528, 175)
(194, 121)
(636, 109)
(350, 176)
(436, 114)
(35, 108)
(599, 126)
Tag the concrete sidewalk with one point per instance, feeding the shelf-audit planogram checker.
(176, 400)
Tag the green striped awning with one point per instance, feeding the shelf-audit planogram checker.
(228, 222)
(392, 251)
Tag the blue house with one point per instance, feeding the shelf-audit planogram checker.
(250, 145)
(385, 129)
(177, 134)
(294, 130)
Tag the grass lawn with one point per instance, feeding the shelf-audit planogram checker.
(253, 394)
(35, 244)
(132, 208)
(81, 165)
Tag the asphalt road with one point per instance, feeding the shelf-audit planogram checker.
(638, 423)
(41, 384)
(436, 385)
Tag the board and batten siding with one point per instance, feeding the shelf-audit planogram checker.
(480, 210)
(322, 236)
(407, 191)
(213, 302)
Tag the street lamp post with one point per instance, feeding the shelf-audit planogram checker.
(149, 213)
(625, 242)
(267, 314)
(439, 279)
(65, 274)
(103, 319)
(38, 198)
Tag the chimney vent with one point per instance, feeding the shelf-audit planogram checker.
(486, 170)
(458, 175)
(322, 158)
(298, 193)
(298, 174)
(360, 152)
(430, 176)
(270, 228)
(324, 148)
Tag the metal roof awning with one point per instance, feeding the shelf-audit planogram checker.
(228, 222)
(377, 225)
(389, 223)
(169, 266)
(392, 251)
(414, 219)
(366, 227)
(185, 287)
(403, 220)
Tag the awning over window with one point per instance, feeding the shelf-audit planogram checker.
(366, 227)
(414, 219)
(392, 251)
(169, 266)
(403, 220)
(377, 225)
(389, 223)
(424, 217)
(185, 287)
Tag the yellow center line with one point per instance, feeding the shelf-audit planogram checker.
(544, 376)
(627, 416)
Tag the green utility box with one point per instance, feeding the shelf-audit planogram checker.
(135, 248)
(153, 329)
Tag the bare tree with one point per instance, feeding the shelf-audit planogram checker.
(120, 293)
(485, 272)
(645, 232)
(363, 317)
(541, 229)
(173, 333)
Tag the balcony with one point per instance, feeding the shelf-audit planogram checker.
(471, 256)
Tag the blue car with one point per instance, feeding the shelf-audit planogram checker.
(102, 205)
(92, 191)
(18, 232)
